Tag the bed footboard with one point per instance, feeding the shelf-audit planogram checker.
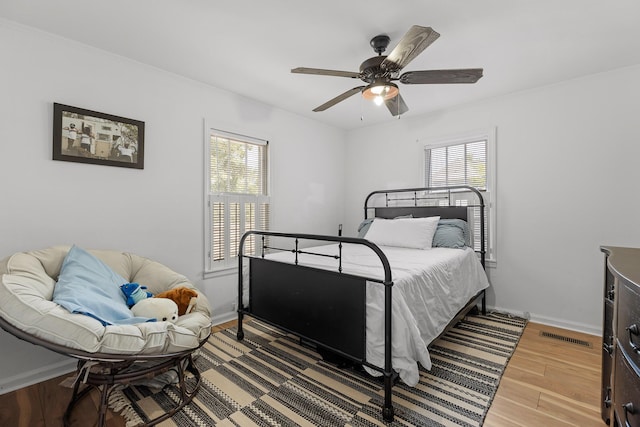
(314, 303)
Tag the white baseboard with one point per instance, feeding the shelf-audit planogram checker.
(565, 324)
(35, 376)
(552, 321)
(224, 317)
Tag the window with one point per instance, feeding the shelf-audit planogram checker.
(466, 160)
(237, 178)
(460, 164)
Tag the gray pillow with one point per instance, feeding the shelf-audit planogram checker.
(364, 227)
(451, 233)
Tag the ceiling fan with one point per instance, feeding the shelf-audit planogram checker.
(381, 71)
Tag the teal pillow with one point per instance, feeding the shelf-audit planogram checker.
(88, 286)
(451, 233)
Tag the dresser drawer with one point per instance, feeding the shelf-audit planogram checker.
(626, 393)
(628, 330)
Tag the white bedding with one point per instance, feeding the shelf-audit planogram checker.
(430, 287)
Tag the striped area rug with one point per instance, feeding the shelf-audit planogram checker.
(269, 379)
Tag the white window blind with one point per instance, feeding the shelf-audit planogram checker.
(238, 199)
(460, 164)
(465, 161)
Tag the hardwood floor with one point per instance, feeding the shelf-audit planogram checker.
(548, 383)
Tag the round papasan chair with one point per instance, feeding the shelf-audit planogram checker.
(110, 353)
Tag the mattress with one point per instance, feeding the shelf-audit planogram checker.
(430, 287)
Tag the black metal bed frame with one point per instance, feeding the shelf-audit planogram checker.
(312, 303)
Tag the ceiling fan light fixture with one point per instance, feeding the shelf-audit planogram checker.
(379, 92)
(377, 72)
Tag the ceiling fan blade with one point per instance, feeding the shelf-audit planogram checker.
(338, 98)
(411, 45)
(322, 72)
(396, 105)
(469, 75)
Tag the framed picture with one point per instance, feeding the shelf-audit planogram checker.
(87, 136)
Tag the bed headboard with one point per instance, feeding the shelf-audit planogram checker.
(431, 201)
(447, 212)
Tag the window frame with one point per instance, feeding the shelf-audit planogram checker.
(488, 135)
(229, 265)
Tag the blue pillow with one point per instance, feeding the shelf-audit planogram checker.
(451, 233)
(88, 286)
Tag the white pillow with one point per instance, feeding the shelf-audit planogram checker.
(415, 233)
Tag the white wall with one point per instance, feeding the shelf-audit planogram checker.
(156, 212)
(567, 182)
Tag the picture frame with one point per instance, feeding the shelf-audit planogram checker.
(86, 136)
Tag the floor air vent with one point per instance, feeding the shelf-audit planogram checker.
(565, 339)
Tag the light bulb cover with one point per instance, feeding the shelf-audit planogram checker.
(380, 89)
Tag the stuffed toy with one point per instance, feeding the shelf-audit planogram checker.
(134, 293)
(161, 309)
(185, 298)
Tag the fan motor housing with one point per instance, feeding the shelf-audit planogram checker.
(370, 69)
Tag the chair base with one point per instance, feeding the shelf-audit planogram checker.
(105, 371)
(105, 376)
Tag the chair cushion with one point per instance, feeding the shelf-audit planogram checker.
(27, 283)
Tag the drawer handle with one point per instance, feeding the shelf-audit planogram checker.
(628, 409)
(633, 330)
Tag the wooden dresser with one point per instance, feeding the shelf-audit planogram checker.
(621, 337)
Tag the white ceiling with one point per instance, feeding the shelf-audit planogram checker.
(249, 47)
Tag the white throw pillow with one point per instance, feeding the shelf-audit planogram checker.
(415, 233)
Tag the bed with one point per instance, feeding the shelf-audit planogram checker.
(390, 294)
